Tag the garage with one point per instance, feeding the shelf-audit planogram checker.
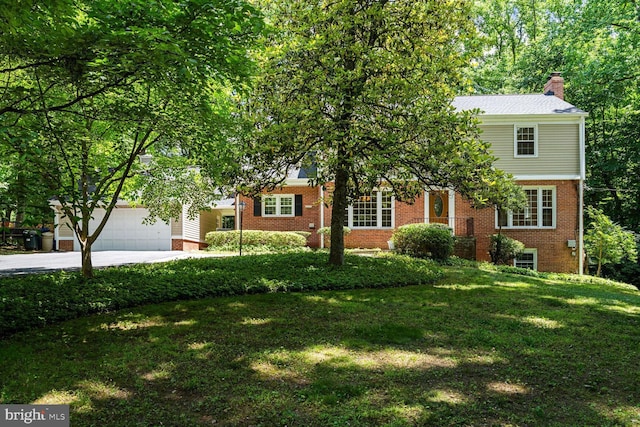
(125, 231)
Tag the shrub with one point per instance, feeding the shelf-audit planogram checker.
(424, 241)
(37, 300)
(504, 249)
(271, 239)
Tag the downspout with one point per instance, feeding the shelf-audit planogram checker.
(321, 192)
(581, 198)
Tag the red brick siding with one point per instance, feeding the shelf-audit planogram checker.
(310, 215)
(551, 244)
(65, 245)
(186, 245)
(377, 238)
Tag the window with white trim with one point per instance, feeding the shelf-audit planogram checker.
(540, 211)
(526, 141)
(527, 259)
(278, 205)
(374, 210)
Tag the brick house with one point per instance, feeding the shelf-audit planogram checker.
(539, 138)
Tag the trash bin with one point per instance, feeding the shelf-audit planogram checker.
(47, 241)
(30, 240)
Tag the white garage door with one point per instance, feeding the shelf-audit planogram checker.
(126, 232)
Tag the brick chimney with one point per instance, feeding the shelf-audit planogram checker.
(555, 85)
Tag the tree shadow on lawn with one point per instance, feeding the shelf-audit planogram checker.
(421, 355)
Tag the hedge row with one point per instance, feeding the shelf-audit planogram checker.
(270, 239)
(32, 301)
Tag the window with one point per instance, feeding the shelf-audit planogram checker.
(528, 259)
(539, 212)
(526, 141)
(278, 205)
(371, 211)
(229, 222)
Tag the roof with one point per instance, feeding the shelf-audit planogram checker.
(535, 104)
(302, 172)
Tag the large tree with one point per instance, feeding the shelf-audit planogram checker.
(597, 54)
(363, 90)
(102, 82)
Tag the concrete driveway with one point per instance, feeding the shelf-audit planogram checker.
(45, 262)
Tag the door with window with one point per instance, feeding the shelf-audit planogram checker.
(439, 206)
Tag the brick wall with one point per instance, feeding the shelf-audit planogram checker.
(65, 245)
(377, 238)
(186, 245)
(551, 244)
(309, 221)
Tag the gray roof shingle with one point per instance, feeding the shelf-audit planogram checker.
(535, 104)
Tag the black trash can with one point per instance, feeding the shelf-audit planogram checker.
(31, 240)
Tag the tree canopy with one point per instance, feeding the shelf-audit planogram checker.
(102, 82)
(594, 43)
(363, 90)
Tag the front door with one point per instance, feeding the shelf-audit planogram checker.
(439, 207)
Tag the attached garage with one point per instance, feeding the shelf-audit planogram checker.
(125, 231)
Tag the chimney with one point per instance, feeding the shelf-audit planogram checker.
(555, 85)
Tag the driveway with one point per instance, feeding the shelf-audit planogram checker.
(46, 262)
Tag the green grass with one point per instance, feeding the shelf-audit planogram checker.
(479, 347)
(37, 300)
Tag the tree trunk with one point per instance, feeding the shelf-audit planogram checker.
(338, 211)
(87, 265)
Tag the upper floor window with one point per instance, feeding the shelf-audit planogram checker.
(278, 205)
(540, 211)
(374, 210)
(526, 141)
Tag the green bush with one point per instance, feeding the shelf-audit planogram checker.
(424, 241)
(504, 249)
(36, 300)
(271, 239)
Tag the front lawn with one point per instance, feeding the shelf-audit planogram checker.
(476, 348)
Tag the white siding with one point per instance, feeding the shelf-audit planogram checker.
(64, 227)
(558, 150)
(176, 227)
(190, 227)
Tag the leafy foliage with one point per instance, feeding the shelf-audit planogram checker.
(478, 348)
(597, 54)
(271, 239)
(23, 194)
(504, 249)
(607, 242)
(37, 300)
(424, 241)
(100, 83)
(362, 91)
